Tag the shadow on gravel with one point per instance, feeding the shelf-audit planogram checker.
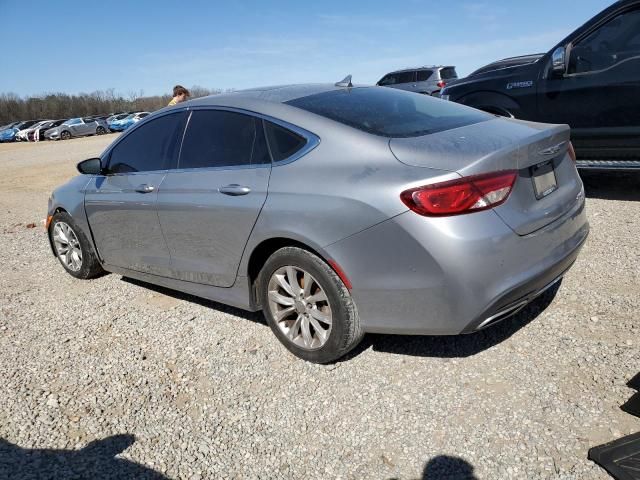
(256, 317)
(612, 185)
(96, 461)
(449, 468)
(456, 346)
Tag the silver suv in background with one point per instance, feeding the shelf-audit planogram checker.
(426, 80)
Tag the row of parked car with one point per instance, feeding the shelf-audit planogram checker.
(64, 129)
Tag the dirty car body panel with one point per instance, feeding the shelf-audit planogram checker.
(339, 196)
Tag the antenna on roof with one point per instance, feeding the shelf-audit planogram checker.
(345, 82)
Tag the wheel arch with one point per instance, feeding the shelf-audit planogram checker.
(56, 210)
(492, 102)
(267, 247)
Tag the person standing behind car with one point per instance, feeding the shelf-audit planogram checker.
(180, 94)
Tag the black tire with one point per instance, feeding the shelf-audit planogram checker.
(90, 267)
(65, 135)
(345, 332)
(100, 131)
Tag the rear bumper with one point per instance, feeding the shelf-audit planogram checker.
(616, 165)
(444, 276)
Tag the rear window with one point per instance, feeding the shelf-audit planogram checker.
(390, 112)
(448, 73)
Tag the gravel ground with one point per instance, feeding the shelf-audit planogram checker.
(115, 378)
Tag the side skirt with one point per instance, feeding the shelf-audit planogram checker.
(237, 295)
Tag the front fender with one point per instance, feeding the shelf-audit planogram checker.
(70, 198)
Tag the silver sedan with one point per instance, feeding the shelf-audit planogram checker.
(336, 210)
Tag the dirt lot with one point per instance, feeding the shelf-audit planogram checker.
(116, 378)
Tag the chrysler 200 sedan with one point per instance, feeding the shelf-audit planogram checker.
(336, 210)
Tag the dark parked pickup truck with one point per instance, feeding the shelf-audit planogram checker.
(590, 80)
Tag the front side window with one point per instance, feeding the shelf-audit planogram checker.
(388, 80)
(88, 120)
(153, 146)
(218, 138)
(406, 77)
(73, 121)
(612, 43)
(390, 112)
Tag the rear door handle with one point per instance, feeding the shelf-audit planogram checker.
(234, 190)
(144, 188)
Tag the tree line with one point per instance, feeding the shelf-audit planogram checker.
(101, 102)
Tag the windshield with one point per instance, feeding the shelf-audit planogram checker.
(390, 112)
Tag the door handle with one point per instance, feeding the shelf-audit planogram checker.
(144, 188)
(234, 190)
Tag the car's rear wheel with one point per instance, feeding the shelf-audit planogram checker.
(65, 135)
(307, 306)
(72, 247)
(100, 131)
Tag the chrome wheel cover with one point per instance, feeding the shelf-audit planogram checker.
(299, 306)
(67, 246)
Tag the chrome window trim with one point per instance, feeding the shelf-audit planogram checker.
(313, 140)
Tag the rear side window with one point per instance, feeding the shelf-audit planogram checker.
(217, 138)
(282, 142)
(389, 112)
(448, 73)
(424, 75)
(152, 146)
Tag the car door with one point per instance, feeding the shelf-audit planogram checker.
(210, 203)
(88, 126)
(407, 81)
(121, 205)
(73, 126)
(599, 96)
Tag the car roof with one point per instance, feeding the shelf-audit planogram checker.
(426, 67)
(272, 94)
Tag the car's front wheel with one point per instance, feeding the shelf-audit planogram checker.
(65, 135)
(72, 247)
(100, 131)
(307, 306)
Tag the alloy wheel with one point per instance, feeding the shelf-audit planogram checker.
(300, 307)
(67, 246)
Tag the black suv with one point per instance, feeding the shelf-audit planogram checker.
(590, 80)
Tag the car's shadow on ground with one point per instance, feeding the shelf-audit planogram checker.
(256, 317)
(612, 185)
(97, 460)
(457, 346)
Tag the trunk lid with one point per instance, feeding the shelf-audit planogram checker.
(504, 144)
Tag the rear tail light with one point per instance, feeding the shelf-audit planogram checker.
(442, 84)
(572, 152)
(465, 195)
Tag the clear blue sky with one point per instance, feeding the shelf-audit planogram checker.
(151, 45)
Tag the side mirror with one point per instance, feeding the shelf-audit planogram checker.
(92, 166)
(558, 61)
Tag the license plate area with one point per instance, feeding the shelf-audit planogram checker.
(544, 179)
